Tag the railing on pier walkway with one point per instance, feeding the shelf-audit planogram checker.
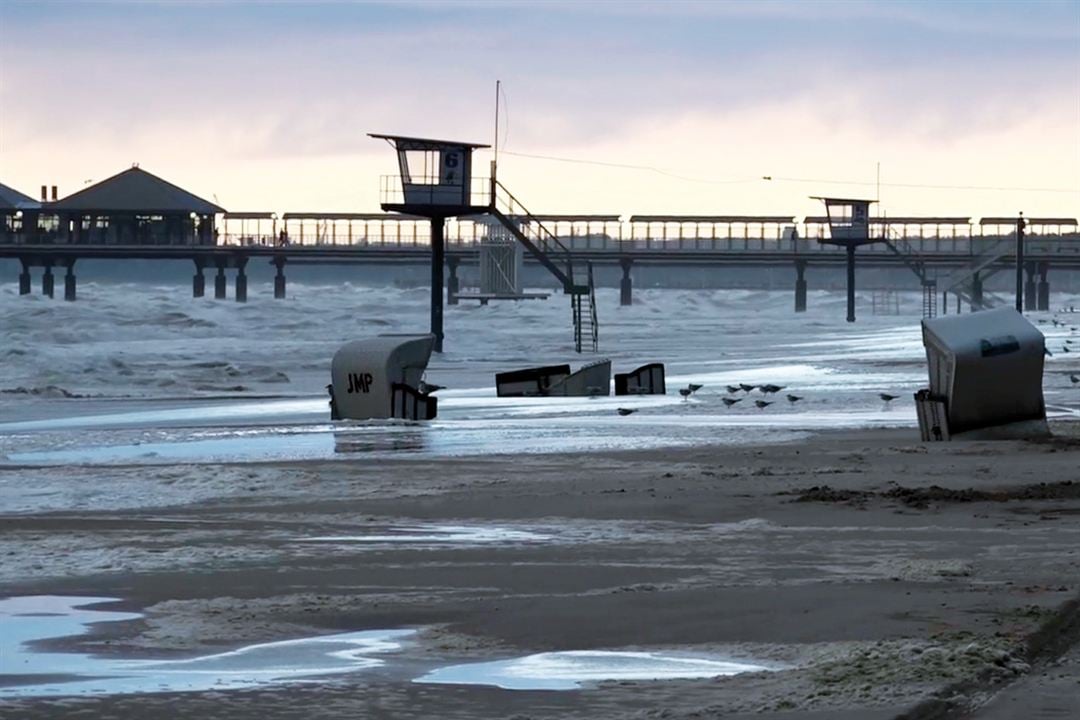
(676, 234)
(649, 234)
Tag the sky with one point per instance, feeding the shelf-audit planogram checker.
(615, 107)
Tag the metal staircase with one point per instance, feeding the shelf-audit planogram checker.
(929, 299)
(546, 247)
(909, 255)
(962, 282)
(586, 327)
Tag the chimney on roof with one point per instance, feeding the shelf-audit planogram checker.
(54, 193)
(44, 194)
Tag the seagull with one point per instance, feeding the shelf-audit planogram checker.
(886, 397)
(427, 388)
(762, 404)
(732, 389)
(746, 388)
(770, 388)
(1075, 379)
(793, 398)
(685, 392)
(626, 411)
(731, 401)
(1065, 348)
(693, 388)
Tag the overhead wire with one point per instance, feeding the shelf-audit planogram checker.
(819, 181)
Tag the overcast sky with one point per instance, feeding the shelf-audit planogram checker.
(266, 105)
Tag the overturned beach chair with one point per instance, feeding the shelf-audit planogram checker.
(381, 377)
(645, 380)
(556, 381)
(986, 373)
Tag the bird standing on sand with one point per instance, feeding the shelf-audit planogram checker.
(427, 388)
(1074, 379)
(793, 398)
(732, 389)
(886, 397)
(731, 401)
(769, 389)
(762, 404)
(689, 390)
(746, 388)
(626, 411)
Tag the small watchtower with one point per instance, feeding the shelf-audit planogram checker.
(436, 182)
(849, 227)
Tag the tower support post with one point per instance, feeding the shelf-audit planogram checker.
(851, 282)
(438, 259)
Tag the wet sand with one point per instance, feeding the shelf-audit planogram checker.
(825, 556)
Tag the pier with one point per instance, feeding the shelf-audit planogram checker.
(136, 215)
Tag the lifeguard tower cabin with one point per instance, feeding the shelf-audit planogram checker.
(849, 227)
(436, 182)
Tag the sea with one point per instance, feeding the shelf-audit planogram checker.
(143, 374)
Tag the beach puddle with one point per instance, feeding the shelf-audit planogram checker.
(26, 672)
(573, 669)
(449, 534)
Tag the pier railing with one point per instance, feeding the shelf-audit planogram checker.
(576, 234)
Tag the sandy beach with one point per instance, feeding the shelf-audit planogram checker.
(871, 573)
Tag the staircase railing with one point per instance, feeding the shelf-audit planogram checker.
(537, 239)
(907, 253)
(983, 260)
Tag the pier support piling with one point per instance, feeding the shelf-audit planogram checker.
(279, 279)
(24, 279)
(626, 285)
(69, 282)
(1043, 290)
(438, 259)
(800, 286)
(976, 293)
(453, 284)
(47, 281)
(241, 284)
(198, 281)
(1030, 289)
(219, 282)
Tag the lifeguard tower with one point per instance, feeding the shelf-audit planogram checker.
(849, 227)
(436, 182)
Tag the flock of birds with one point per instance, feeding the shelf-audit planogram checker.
(769, 389)
(1068, 341)
(766, 390)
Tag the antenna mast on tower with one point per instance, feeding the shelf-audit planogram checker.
(495, 146)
